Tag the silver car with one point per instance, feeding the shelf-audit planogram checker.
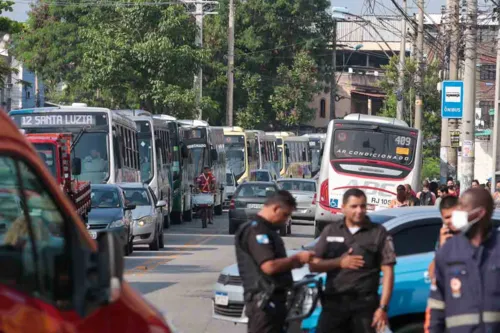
(148, 216)
(227, 299)
(304, 191)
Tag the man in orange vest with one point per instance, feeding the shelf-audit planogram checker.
(206, 184)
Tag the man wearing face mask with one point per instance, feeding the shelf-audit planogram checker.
(464, 294)
(496, 195)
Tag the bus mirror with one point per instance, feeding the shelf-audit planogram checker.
(321, 152)
(287, 152)
(76, 166)
(213, 154)
(304, 155)
(184, 150)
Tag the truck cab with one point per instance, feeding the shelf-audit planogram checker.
(58, 278)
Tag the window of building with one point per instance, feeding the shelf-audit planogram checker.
(488, 72)
(484, 119)
(322, 108)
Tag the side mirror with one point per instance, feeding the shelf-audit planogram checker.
(130, 207)
(304, 155)
(274, 177)
(184, 150)
(213, 154)
(110, 266)
(287, 152)
(303, 299)
(161, 203)
(76, 166)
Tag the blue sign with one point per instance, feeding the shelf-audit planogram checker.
(452, 99)
(334, 203)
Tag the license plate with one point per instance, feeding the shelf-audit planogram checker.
(255, 206)
(93, 234)
(221, 298)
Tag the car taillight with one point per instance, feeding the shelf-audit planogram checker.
(314, 199)
(324, 198)
(231, 204)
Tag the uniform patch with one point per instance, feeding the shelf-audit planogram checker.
(333, 239)
(254, 223)
(456, 287)
(262, 239)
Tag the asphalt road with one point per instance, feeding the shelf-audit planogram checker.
(178, 279)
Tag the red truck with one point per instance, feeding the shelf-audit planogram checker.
(55, 151)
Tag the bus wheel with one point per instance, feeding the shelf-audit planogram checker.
(218, 210)
(166, 221)
(188, 215)
(176, 217)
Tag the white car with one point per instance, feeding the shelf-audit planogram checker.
(147, 215)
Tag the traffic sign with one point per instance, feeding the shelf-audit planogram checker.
(452, 99)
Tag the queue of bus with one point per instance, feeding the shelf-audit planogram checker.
(168, 154)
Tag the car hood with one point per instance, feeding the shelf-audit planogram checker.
(298, 274)
(105, 215)
(141, 211)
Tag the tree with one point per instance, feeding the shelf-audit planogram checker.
(431, 123)
(268, 34)
(295, 91)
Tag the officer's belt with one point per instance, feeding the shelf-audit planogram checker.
(252, 295)
(468, 319)
(349, 296)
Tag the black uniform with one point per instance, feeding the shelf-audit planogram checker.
(256, 243)
(351, 296)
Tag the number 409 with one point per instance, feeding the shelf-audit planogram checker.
(403, 140)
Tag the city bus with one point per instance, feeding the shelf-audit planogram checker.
(294, 155)
(180, 165)
(242, 153)
(104, 140)
(316, 145)
(372, 153)
(205, 146)
(267, 152)
(155, 154)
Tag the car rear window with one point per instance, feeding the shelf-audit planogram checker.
(254, 191)
(297, 185)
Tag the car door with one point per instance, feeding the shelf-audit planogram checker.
(414, 243)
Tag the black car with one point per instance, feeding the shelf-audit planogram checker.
(246, 202)
(110, 211)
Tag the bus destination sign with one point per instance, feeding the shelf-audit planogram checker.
(57, 120)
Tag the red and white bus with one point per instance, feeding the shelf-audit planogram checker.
(372, 153)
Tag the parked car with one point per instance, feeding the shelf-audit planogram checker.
(229, 188)
(415, 231)
(304, 191)
(246, 202)
(147, 215)
(110, 211)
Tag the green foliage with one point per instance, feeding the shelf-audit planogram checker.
(118, 57)
(431, 123)
(431, 168)
(298, 86)
(269, 37)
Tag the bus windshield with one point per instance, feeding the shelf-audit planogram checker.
(47, 154)
(235, 159)
(146, 157)
(374, 145)
(200, 159)
(92, 150)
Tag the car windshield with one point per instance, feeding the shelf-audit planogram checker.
(105, 198)
(137, 196)
(229, 179)
(297, 185)
(255, 191)
(260, 176)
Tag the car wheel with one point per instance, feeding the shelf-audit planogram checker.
(131, 245)
(411, 328)
(166, 221)
(218, 210)
(176, 217)
(155, 244)
(127, 246)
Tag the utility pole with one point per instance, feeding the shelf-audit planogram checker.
(333, 80)
(469, 116)
(198, 79)
(449, 154)
(230, 66)
(419, 105)
(402, 57)
(496, 119)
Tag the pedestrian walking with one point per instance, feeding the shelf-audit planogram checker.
(264, 265)
(411, 195)
(401, 198)
(465, 293)
(426, 197)
(442, 192)
(475, 183)
(353, 253)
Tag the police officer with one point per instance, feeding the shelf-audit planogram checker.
(465, 294)
(353, 252)
(264, 266)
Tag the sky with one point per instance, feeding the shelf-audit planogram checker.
(21, 7)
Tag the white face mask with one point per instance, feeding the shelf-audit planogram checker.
(460, 220)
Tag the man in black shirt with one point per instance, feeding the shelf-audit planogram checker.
(264, 266)
(353, 253)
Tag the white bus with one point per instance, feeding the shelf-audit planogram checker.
(104, 140)
(316, 144)
(374, 154)
(155, 156)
